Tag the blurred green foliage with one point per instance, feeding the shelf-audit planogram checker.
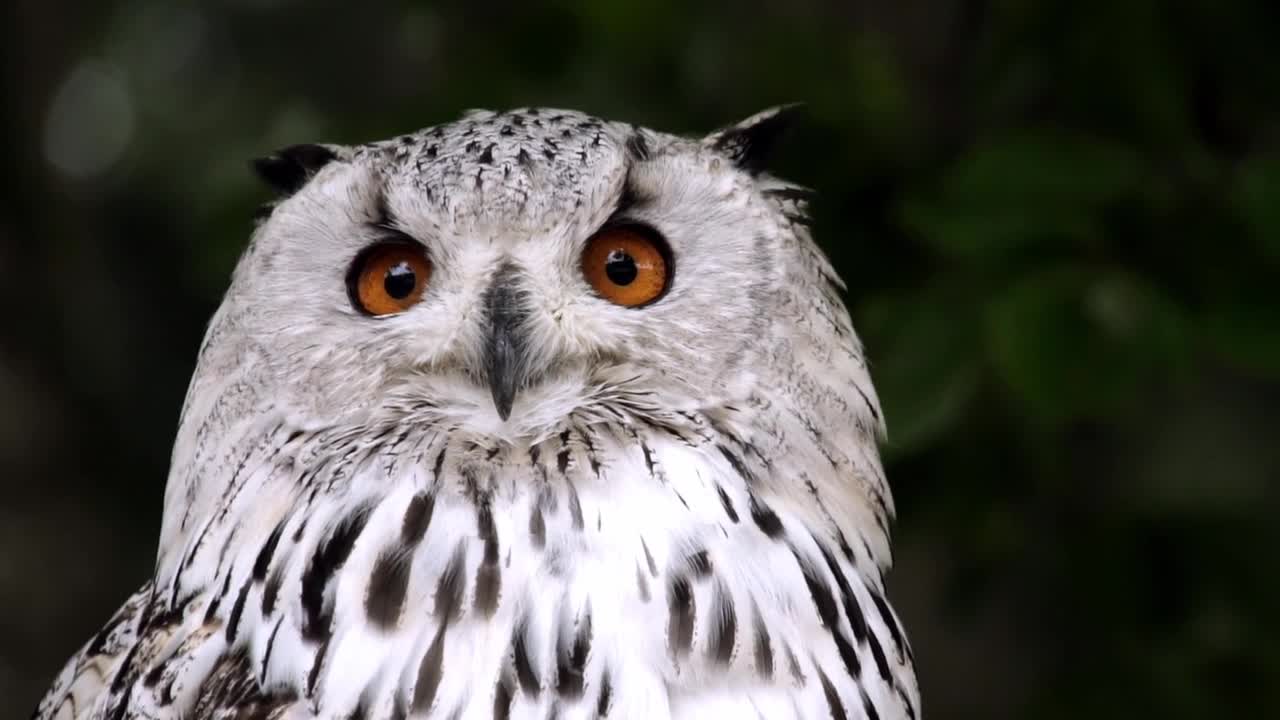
(1059, 223)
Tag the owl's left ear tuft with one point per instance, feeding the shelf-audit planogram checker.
(287, 170)
(750, 143)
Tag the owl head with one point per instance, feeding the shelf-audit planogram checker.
(501, 273)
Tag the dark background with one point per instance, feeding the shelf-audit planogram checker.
(1059, 221)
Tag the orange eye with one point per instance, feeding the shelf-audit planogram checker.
(627, 264)
(388, 278)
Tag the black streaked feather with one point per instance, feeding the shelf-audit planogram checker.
(572, 659)
(388, 585)
(287, 170)
(751, 146)
(417, 518)
(329, 556)
(430, 672)
(525, 672)
(680, 623)
(833, 697)
(724, 627)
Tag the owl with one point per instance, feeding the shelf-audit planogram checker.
(528, 415)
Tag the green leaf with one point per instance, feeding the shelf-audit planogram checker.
(925, 361)
(1045, 169)
(1257, 202)
(1073, 342)
(1245, 331)
(1023, 189)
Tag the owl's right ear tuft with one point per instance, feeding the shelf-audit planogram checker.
(750, 143)
(287, 170)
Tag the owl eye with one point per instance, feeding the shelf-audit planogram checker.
(628, 264)
(388, 277)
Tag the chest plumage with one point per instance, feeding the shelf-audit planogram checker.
(520, 495)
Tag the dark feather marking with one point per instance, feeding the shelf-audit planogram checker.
(800, 219)
(488, 575)
(502, 696)
(680, 623)
(648, 456)
(417, 518)
(152, 678)
(869, 707)
(572, 659)
(906, 703)
(700, 563)
(230, 683)
(648, 558)
(738, 465)
(750, 146)
(829, 613)
(764, 516)
(287, 170)
(388, 585)
(263, 561)
(852, 609)
(318, 662)
(271, 591)
(328, 558)
(451, 586)
(430, 672)
(728, 504)
(209, 614)
(764, 648)
(887, 616)
(845, 550)
(877, 653)
(642, 583)
(562, 457)
(724, 627)
(271, 645)
(575, 507)
(793, 666)
(439, 465)
(606, 694)
(302, 526)
(237, 608)
(592, 460)
(122, 677)
(833, 697)
(537, 527)
(525, 673)
(100, 640)
(398, 709)
(791, 193)
(866, 400)
(823, 602)
(857, 622)
(637, 147)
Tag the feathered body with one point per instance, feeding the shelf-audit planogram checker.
(683, 515)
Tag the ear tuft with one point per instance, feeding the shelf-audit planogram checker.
(750, 143)
(287, 170)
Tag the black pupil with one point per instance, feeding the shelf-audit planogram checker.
(621, 268)
(400, 280)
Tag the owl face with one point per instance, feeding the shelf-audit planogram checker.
(511, 269)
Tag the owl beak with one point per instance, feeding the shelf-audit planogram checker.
(506, 354)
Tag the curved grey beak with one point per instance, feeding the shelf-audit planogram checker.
(506, 350)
